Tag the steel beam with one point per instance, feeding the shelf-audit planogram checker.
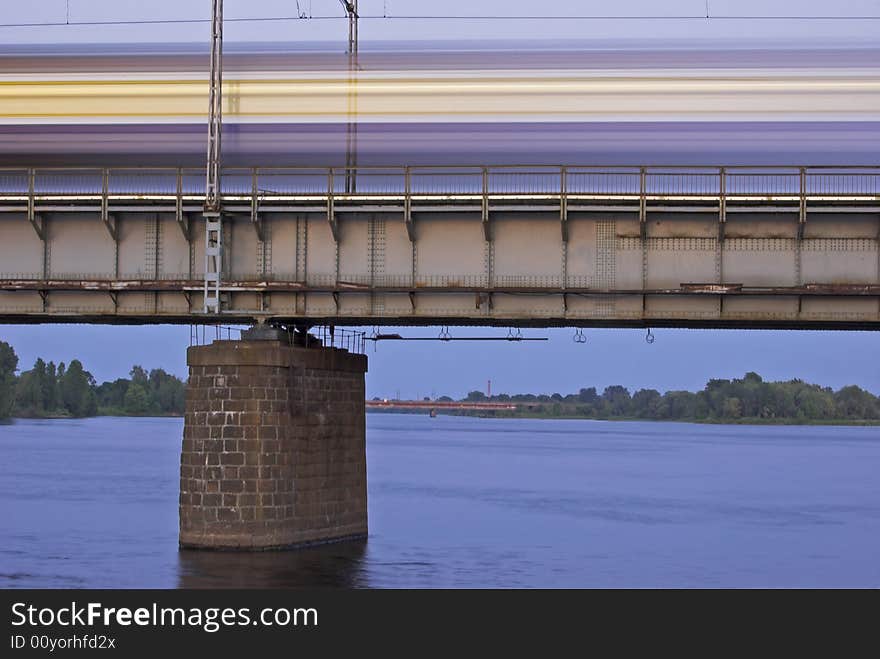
(331, 208)
(256, 217)
(108, 219)
(257, 286)
(213, 211)
(407, 205)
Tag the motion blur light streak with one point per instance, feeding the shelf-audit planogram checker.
(451, 98)
(142, 107)
(634, 143)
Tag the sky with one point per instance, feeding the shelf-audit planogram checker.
(688, 32)
(678, 359)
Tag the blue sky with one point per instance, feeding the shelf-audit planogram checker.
(678, 359)
(714, 33)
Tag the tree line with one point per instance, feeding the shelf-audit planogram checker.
(743, 399)
(50, 390)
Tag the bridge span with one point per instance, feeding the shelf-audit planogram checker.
(780, 247)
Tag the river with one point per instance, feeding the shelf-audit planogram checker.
(469, 502)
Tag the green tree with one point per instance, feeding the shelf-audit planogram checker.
(813, 403)
(41, 375)
(588, 395)
(139, 375)
(51, 397)
(77, 390)
(28, 398)
(37, 391)
(681, 405)
(732, 408)
(646, 404)
(8, 364)
(855, 403)
(618, 399)
(166, 392)
(714, 394)
(136, 399)
(111, 395)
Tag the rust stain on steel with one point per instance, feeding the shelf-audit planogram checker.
(844, 289)
(123, 285)
(190, 285)
(349, 285)
(712, 289)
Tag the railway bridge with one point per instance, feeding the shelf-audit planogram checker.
(273, 453)
(781, 247)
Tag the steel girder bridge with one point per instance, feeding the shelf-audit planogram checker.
(750, 247)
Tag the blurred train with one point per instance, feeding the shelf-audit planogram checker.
(136, 105)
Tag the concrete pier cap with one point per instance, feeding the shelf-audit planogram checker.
(274, 445)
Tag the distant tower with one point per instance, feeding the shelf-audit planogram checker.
(488, 388)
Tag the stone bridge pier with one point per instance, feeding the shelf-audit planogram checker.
(273, 449)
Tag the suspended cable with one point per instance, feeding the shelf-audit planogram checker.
(402, 17)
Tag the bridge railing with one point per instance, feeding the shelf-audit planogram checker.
(374, 181)
(13, 182)
(288, 182)
(682, 183)
(66, 182)
(449, 181)
(445, 181)
(857, 183)
(531, 181)
(615, 182)
(145, 182)
(762, 183)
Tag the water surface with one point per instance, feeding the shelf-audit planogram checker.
(468, 502)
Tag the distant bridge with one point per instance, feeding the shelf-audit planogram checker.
(437, 405)
(752, 247)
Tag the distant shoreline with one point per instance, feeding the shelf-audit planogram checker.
(711, 422)
(702, 422)
(67, 417)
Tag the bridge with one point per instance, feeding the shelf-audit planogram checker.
(434, 406)
(748, 247)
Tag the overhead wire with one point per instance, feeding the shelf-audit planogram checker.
(436, 17)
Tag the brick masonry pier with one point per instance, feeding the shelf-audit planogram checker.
(273, 446)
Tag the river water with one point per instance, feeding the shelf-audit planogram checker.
(469, 502)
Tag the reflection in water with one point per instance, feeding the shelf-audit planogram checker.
(337, 565)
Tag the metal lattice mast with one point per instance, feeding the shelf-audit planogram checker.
(351, 8)
(212, 210)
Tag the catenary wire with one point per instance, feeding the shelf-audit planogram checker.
(407, 17)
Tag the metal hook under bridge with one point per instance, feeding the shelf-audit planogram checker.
(398, 337)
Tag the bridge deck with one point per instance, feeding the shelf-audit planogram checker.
(727, 247)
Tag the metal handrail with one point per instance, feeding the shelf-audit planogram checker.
(445, 180)
(472, 168)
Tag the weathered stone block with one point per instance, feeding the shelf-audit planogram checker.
(274, 448)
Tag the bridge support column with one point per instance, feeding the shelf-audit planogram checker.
(273, 446)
